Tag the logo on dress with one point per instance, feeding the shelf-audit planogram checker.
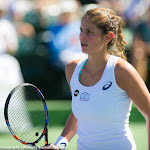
(76, 92)
(84, 96)
(107, 85)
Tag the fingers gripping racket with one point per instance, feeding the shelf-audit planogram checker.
(26, 115)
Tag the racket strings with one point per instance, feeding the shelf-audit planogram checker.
(26, 114)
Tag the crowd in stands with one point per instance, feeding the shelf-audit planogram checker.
(43, 35)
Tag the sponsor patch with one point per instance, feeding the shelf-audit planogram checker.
(85, 96)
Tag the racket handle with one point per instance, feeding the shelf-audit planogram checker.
(46, 136)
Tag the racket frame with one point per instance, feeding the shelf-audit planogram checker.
(45, 130)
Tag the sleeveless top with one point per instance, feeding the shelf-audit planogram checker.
(102, 111)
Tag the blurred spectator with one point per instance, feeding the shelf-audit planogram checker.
(10, 76)
(8, 35)
(64, 42)
(84, 2)
(8, 8)
(86, 7)
(132, 8)
(30, 26)
(37, 20)
(10, 72)
(141, 53)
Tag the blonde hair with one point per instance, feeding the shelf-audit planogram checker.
(107, 21)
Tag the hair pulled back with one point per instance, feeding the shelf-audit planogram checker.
(107, 21)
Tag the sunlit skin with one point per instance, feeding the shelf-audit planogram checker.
(95, 44)
(91, 38)
(127, 77)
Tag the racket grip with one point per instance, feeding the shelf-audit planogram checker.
(46, 136)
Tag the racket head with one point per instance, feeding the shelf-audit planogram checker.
(26, 114)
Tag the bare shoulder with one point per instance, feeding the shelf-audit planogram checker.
(129, 80)
(126, 74)
(70, 69)
(123, 66)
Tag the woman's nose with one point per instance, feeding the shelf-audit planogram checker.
(82, 35)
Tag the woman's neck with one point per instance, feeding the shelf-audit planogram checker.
(97, 62)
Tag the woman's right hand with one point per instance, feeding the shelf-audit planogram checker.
(50, 147)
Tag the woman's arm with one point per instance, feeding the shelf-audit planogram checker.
(68, 133)
(70, 128)
(129, 80)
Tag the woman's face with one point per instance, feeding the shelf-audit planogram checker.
(91, 38)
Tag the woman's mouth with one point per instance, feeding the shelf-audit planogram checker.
(84, 45)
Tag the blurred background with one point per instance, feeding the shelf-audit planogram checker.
(43, 35)
(38, 38)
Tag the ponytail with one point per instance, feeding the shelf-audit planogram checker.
(117, 45)
(120, 42)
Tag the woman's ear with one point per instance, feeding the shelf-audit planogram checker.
(109, 37)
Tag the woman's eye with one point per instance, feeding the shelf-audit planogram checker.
(87, 31)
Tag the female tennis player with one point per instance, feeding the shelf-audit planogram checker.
(103, 86)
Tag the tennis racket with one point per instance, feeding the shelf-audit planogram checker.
(26, 115)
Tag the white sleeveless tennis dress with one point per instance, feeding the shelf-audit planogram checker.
(102, 111)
